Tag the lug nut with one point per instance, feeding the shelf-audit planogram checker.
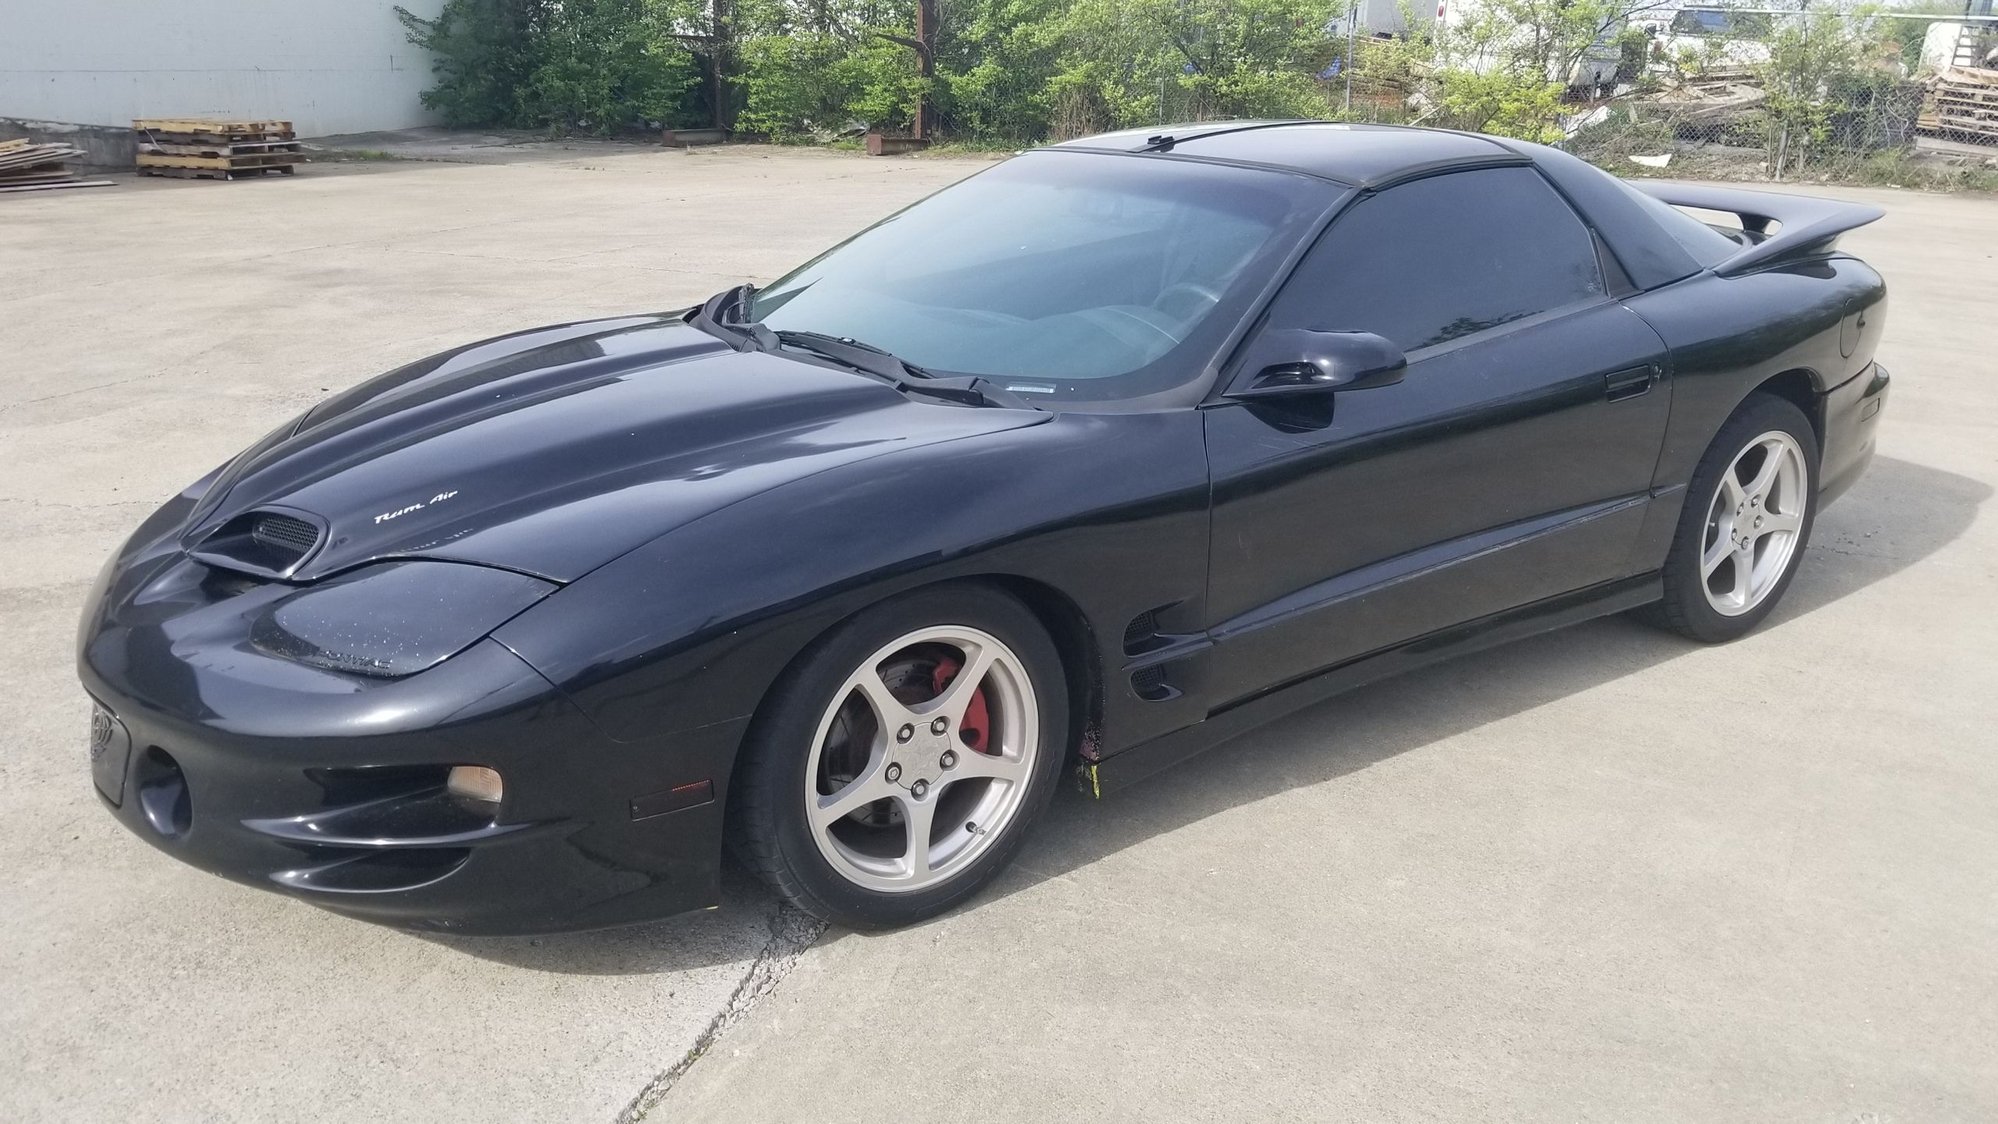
(894, 772)
(939, 726)
(916, 790)
(948, 760)
(905, 733)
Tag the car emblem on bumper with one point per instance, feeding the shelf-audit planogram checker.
(110, 751)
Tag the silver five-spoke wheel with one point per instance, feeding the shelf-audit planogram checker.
(922, 759)
(1753, 523)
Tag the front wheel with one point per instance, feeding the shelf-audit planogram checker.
(1747, 519)
(897, 766)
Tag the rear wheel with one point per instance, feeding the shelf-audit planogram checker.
(1747, 519)
(897, 767)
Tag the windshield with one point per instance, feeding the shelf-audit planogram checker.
(1709, 21)
(1062, 275)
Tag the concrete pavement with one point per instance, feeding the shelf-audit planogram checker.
(1599, 875)
(148, 332)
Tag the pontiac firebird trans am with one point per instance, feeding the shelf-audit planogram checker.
(1091, 461)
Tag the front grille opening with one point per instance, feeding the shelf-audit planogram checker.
(367, 783)
(266, 543)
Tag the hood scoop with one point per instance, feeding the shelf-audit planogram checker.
(552, 457)
(267, 543)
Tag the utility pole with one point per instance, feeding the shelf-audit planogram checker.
(1352, 40)
(925, 46)
(719, 45)
(926, 62)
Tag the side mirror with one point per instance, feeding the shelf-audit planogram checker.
(1293, 362)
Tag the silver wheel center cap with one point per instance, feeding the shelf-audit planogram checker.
(921, 760)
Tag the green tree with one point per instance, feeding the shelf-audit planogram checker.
(1136, 62)
(599, 65)
(484, 53)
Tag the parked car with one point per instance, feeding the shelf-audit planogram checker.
(1092, 461)
(1593, 71)
(1712, 38)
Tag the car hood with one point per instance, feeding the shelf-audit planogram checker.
(554, 451)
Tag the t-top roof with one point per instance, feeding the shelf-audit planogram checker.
(1356, 154)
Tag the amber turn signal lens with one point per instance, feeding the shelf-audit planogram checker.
(474, 782)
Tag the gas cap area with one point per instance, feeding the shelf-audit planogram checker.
(1850, 328)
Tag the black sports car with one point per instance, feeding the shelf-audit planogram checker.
(1097, 458)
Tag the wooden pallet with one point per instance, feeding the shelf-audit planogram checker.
(240, 163)
(211, 127)
(219, 173)
(36, 175)
(27, 166)
(23, 156)
(67, 182)
(216, 148)
(1963, 104)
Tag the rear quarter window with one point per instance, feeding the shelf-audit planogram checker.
(1426, 262)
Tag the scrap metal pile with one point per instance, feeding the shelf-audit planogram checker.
(27, 166)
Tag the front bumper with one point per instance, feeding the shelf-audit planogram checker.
(329, 787)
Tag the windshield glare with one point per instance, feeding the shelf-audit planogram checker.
(1067, 275)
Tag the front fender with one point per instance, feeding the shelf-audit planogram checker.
(690, 630)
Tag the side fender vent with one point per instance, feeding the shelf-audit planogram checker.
(1142, 635)
(1143, 628)
(1149, 684)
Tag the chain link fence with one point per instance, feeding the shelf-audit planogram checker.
(1827, 96)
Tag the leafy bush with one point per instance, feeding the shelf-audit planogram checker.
(1138, 62)
(1008, 72)
(811, 84)
(596, 65)
(1824, 76)
(484, 53)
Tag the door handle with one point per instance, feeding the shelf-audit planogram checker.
(1629, 382)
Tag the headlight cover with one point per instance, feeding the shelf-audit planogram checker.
(396, 618)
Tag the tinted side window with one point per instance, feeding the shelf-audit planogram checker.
(1443, 257)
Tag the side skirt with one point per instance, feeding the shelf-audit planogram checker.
(1146, 758)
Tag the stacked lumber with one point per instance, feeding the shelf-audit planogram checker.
(198, 148)
(1964, 101)
(27, 166)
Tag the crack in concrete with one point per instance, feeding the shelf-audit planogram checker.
(791, 932)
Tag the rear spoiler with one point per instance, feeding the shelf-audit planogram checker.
(1806, 226)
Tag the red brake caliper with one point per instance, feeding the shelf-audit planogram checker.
(977, 722)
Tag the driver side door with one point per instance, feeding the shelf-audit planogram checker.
(1512, 463)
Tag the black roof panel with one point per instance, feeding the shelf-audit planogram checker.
(1358, 154)
(1369, 156)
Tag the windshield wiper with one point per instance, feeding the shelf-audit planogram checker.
(972, 390)
(724, 316)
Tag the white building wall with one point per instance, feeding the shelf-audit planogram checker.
(328, 66)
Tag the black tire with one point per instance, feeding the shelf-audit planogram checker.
(1685, 608)
(768, 827)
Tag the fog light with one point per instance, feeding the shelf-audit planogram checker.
(474, 782)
